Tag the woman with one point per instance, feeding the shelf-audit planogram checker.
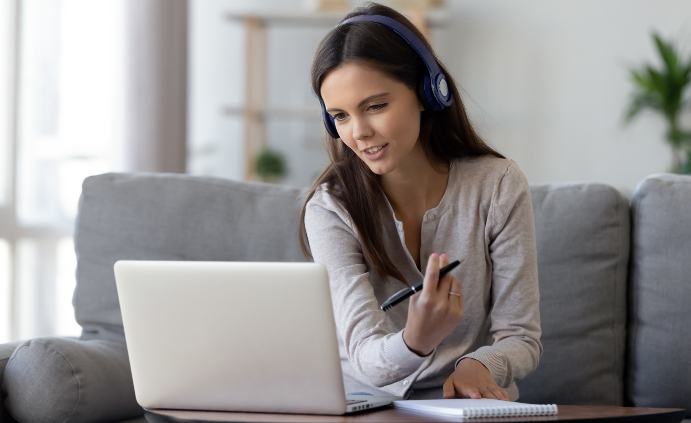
(408, 179)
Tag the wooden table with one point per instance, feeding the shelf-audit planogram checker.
(567, 413)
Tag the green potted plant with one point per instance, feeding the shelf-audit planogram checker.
(270, 165)
(662, 91)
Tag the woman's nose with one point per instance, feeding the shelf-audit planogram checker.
(361, 129)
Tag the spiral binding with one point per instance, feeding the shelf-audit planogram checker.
(522, 410)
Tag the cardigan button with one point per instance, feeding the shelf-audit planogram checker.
(406, 382)
(430, 216)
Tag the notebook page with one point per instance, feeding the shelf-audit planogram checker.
(477, 407)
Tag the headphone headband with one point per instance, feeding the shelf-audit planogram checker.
(434, 90)
(406, 34)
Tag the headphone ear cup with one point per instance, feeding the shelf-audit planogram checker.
(426, 95)
(328, 120)
(331, 127)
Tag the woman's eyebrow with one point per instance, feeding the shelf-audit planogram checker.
(372, 97)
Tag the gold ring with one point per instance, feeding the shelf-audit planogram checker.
(453, 293)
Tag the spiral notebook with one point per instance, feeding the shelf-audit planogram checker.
(478, 407)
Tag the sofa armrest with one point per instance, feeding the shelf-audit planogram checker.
(6, 351)
(69, 380)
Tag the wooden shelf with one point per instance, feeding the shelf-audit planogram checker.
(264, 113)
(255, 111)
(290, 19)
(435, 18)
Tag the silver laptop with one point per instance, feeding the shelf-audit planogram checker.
(233, 336)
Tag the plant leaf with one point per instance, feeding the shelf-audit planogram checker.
(667, 52)
(661, 89)
(638, 79)
(639, 102)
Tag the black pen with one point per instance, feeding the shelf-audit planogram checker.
(407, 292)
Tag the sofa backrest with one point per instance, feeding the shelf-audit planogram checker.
(582, 233)
(659, 361)
(155, 216)
(582, 239)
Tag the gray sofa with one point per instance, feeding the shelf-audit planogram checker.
(615, 284)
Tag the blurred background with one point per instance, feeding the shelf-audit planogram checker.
(221, 88)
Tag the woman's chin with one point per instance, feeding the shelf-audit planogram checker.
(379, 168)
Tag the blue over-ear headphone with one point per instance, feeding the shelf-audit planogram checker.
(435, 93)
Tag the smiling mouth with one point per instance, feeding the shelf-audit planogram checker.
(373, 150)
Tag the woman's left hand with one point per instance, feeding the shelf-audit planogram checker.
(471, 379)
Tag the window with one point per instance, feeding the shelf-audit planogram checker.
(5, 291)
(58, 126)
(7, 100)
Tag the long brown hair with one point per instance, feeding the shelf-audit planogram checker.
(444, 135)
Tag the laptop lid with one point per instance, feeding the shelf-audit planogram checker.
(232, 336)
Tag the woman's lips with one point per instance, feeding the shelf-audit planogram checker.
(376, 155)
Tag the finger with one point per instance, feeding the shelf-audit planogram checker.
(456, 287)
(486, 393)
(445, 283)
(499, 393)
(444, 260)
(473, 393)
(449, 390)
(431, 275)
(412, 302)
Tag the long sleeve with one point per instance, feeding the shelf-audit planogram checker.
(515, 315)
(373, 342)
(485, 217)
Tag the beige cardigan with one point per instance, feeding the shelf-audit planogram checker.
(485, 218)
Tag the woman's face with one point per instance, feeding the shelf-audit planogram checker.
(370, 110)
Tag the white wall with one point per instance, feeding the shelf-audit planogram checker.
(549, 83)
(545, 82)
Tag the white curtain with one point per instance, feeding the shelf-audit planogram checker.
(101, 86)
(155, 80)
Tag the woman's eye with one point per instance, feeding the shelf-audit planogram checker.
(339, 116)
(378, 106)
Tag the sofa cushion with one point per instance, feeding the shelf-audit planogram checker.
(659, 365)
(582, 233)
(68, 380)
(158, 216)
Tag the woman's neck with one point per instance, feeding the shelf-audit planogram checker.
(415, 186)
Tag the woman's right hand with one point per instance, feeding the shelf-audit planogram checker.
(433, 313)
